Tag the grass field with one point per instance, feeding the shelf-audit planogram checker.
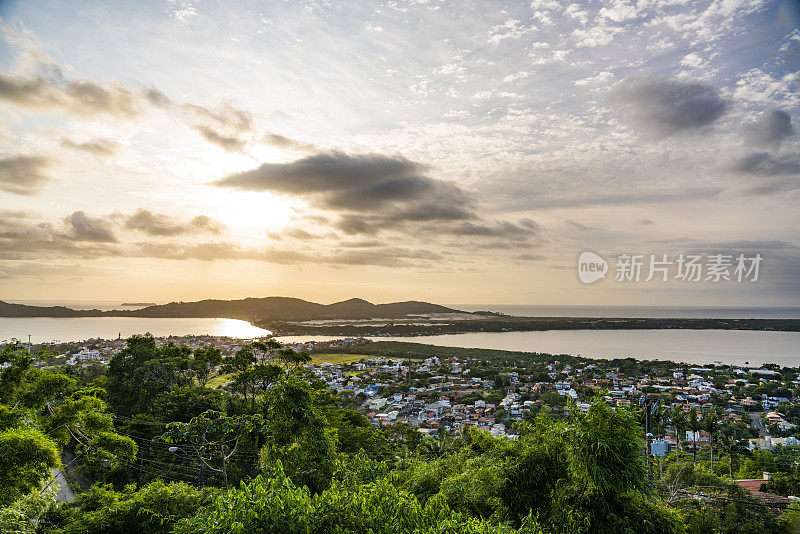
(337, 358)
(219, 380)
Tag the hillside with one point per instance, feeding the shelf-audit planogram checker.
(8, 309)
(251, 309)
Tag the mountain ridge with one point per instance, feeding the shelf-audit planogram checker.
(250, 309)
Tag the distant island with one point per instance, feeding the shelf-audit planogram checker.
(358, 317)
(137, 304)
(249, 309)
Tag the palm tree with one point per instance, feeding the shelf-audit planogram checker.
(729, 444)
(711, 425)
(694, 425)
(678, 417)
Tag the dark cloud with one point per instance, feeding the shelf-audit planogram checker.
(764, 164)
(223, 127)
(357, 224)
(158, 224)
(322, 173)
(51, 89)
(373, 184)
(157, 98)
(523, 231)
(98, 147)
(282, 141)
(664, 107)
(228, 142)
(529, 257)
(769, 129)
(85, 228)
(575, 225)
(23, 175)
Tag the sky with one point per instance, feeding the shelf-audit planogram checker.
(454, 152)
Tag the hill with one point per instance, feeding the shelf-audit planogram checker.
(250, 309)
(8, 309)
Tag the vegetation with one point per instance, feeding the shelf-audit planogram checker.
(151, 447)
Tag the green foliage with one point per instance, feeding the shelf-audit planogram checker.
(184, 403)
(24, 516)
(17, 363)
(213, 438)
(296, 435)
(155, 508)
(276, 505)
(204, 362)
(26, 458)
(45, 386)
(142, 371)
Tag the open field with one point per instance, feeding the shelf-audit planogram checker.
(219, 380)
(338, 358)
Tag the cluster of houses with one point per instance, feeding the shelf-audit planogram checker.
(454, 399)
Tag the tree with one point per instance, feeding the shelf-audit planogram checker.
(26, 458)
(296, 435)
(203, 363)
(154, 508)
(694, 424)
(293, 360)
(213, 438)
(142, 371)
(679, 422)
(15, 361)
(184, 403)
(732, 443)
(711, 425)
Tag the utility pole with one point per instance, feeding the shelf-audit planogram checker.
(649, 437)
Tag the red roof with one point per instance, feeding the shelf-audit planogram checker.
(751, 484)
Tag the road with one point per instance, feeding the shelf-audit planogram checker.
(63, 492)
(756, 418)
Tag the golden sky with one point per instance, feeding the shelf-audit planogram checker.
(456, 152)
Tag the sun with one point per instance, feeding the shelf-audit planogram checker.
(246, 213)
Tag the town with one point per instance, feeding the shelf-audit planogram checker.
(451, 394)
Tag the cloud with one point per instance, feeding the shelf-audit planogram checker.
(51, 89)
(370, 183)
(85, 228)
(158, 224)
(665, 107)
(770, 129)
(575, 225)
(157, 98)
(98, 147)
(765, 164)
(228, 117)
(282, 141)
(510, 29)
(600, 35)
(23, 175)
(386, 256)
(228, 142)
(222, 127)
(523, 231)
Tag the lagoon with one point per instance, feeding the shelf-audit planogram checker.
(65, 329)
(735, 347)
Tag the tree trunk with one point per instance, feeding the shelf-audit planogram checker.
(711, 443)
